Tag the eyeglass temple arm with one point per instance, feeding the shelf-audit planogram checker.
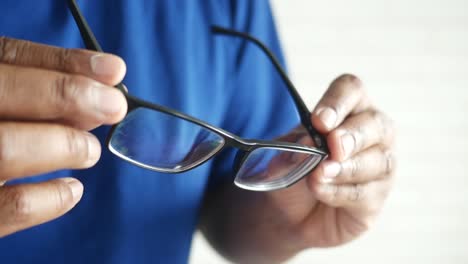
(92, 44)
(86, 34)
(304, 112)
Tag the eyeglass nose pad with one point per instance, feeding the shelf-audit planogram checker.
(241, 155)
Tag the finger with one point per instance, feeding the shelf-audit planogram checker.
(360, 132)
(345, 95)
(105, 68)
(28, 149)
(33, 94)
(372, 164)
(27, 205)
(365, 197)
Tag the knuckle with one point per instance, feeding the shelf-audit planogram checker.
(3, 40)
(67, 90)
(11, 50)
(64, 90)
(365, 225)
(334, 193)
(8, 50)
(355, 167)
(62, 196)
(5, 85)
(10, 80)
(380, 119)
(338, 106)
(67, 59)
(76, 144)
(359, 136)
(21, 205)
(358, 225)
(348, 78)
(356, 193)
(375, 115)
(63, 59)
(329, 193)
(386, 126)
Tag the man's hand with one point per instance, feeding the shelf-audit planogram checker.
(346, 191)
(336, 203)
(49, 98)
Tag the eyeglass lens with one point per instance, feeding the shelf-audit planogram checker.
(163, 142)
(273, 168)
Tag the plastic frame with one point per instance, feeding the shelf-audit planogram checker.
(244, 146)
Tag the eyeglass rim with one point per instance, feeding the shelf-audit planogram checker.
(320, 141)
(230, 139)
(304, 113)
(286, 183)
(245, 145)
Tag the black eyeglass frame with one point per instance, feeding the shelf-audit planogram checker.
(244, 146)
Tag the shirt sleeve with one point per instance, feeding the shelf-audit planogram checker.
(260, 106)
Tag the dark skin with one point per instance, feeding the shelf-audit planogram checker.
(67, 87)
(335, 204)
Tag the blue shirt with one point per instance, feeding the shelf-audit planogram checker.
(129, 214)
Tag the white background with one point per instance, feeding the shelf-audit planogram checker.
(413, 57)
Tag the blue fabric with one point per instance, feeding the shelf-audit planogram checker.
(132, 215)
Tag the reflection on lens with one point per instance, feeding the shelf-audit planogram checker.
(269, 168)
(162, 142)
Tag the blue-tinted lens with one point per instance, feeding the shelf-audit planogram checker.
(163, 142)
(270, 168)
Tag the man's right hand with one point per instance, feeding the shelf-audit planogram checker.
(49, 98)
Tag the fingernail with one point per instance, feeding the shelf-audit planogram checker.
(110, 100)
(330, 171)
(94, 150)
(76, 188)
(348, 144)
(102, 64)
(328, 117)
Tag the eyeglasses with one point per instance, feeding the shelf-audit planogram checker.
(161, 139)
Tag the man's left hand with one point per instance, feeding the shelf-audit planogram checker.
(341, 198)
(334, 204)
